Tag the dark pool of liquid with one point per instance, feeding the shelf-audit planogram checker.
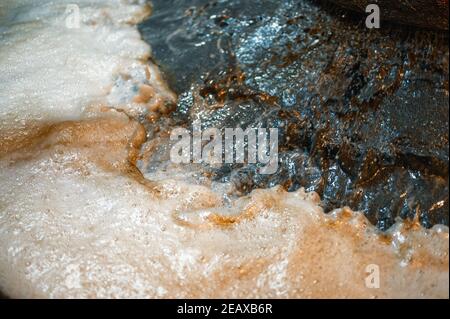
(362, 114)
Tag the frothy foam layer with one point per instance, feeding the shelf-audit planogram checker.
(51, 73)
(77, 219)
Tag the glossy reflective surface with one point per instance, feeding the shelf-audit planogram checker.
(362, 114)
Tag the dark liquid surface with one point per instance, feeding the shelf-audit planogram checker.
(362, 114)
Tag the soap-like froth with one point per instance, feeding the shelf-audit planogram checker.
(50, 72)
(78, 219)
(78, 223)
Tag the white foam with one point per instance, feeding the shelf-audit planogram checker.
(49, 72)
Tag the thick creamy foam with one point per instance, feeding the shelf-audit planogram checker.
(51, 73)
(77, 219)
